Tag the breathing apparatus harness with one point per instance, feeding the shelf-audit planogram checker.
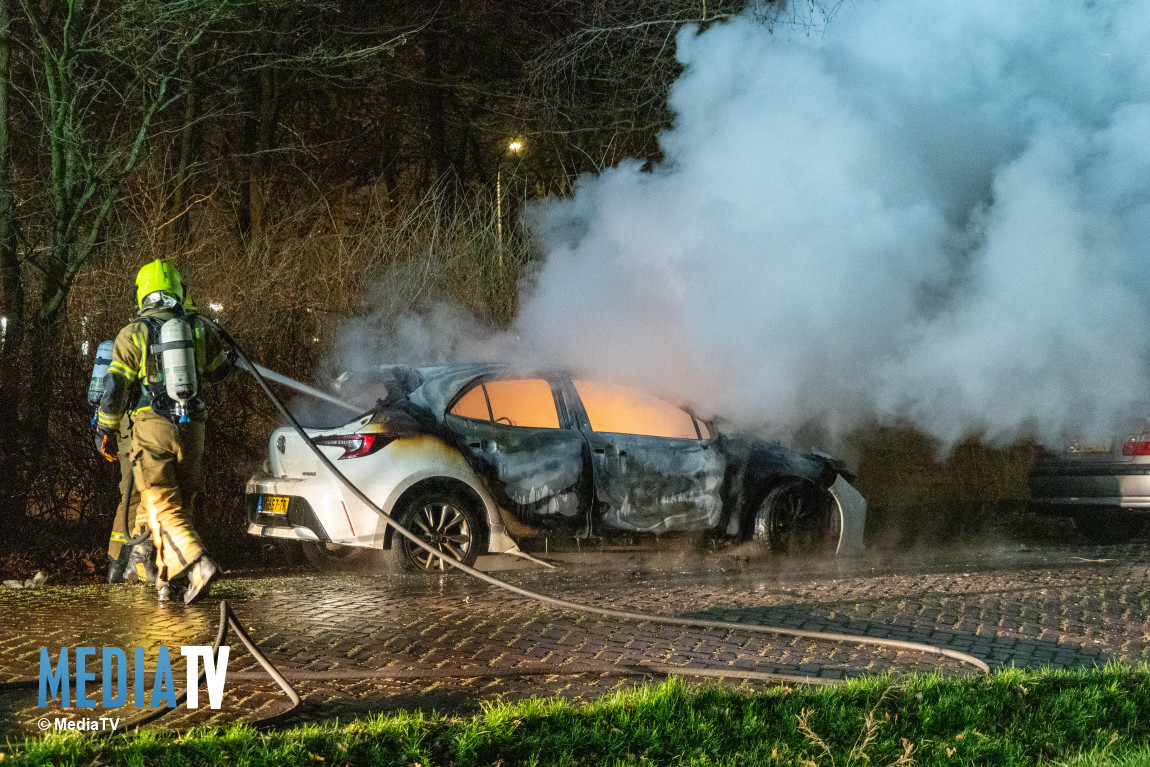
(228, 620)
(171, 383)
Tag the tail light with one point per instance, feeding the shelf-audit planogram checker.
(1139, 445)
(355, 445)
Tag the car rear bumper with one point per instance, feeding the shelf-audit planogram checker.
(1094, 488)
(299, 521)
(317, 511)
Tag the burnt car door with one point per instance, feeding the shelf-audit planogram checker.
(521, 437)
(654, 466)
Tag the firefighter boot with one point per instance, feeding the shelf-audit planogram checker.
(116, 567)
(163, 591)
(130, 573)
(199, 579)
(140, 560)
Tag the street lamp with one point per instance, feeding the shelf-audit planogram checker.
(514, 147)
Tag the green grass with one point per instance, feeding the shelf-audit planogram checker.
(1082, 718)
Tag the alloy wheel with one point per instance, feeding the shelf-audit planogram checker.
(445, 528)
(793, 520)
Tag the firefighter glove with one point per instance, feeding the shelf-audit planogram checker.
(106, 444)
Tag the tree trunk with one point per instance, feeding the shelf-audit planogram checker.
(249, 130)
(265, 142)
(11, 284)
(436, 119)
(11, 309)
(257, 140)
(189, 143)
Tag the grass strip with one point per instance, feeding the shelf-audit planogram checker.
(1077, 718)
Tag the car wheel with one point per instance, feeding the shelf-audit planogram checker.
(446, 520)
(1105, 527)
(331, 557)
(795, 518)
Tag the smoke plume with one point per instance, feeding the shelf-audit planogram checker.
(934, 212)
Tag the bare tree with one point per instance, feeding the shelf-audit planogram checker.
(95, 80)
(87, 166)
(598, 92)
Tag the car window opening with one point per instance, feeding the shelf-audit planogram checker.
(526, 403)
(618, 409)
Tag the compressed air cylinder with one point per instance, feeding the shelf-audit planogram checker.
(99, 370)
(178, 350)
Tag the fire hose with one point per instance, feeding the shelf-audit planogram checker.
(564, 604)
(227, 617)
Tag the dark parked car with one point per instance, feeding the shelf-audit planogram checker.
(1104, 485)
(476, 458)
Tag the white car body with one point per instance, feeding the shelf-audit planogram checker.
(395, 469)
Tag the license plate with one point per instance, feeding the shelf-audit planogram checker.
(273, 504)
(1092, 447)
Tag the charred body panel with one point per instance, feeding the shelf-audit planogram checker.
(554, 479)
(767, 460)
(656, 485)
(649, 484)
(755, 466)
(539, 475)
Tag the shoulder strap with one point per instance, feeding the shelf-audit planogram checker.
(148, 369)
(159, 347)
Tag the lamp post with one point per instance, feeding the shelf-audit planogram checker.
(514, 147)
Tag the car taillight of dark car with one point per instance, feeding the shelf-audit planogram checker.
(1139, 445)
(355, 445)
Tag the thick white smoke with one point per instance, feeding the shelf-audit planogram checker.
(937, 211)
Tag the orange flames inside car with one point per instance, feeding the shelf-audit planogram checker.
(611, 408)
(620, 410)
(523, 402)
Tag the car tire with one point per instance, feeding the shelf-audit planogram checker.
(333, 558)
(1108, 527)
(795, 518)
(448, 520)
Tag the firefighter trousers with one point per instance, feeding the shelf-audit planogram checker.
(124, 525)
(167, 463)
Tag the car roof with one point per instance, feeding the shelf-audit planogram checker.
(440, 384)
(434, 387)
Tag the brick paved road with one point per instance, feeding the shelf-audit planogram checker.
(1032, 607)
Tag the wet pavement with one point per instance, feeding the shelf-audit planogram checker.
(452, 643)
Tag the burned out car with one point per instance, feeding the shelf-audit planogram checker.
(478, 458)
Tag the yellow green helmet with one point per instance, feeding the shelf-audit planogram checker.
(158, 276)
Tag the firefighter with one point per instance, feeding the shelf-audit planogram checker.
(167, 442)
(124, 525)
(119, 547)
(135, 562)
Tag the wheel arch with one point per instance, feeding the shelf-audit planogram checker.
(451, 484)
(846, 505)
